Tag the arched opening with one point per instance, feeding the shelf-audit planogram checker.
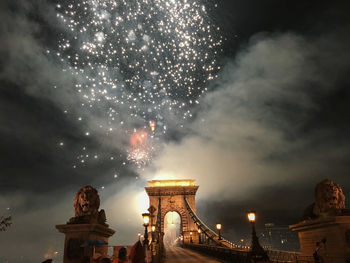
(172, 228)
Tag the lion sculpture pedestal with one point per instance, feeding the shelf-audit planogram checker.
(89, 224)
(77, 234)
(332, 234)
(325, 226)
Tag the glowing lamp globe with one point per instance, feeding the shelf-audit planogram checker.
(146, 218)
(251, 216)
(218, 226)
(153, 228)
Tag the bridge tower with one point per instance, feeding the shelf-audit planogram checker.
(172, 195)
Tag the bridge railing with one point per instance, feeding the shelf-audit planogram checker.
(219, 252)
(240, 256)
(206, 230)
(226, 250)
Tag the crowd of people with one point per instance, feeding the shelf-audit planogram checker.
(136, 255)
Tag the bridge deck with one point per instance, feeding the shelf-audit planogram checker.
(181, 255)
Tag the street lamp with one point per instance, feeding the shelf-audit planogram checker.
(251, 216)
(218, 227)
(153, 230)
(146, 217)
(257, 252)
(191, 241)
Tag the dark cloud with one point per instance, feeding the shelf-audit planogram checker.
(39, 109)
(249, 18)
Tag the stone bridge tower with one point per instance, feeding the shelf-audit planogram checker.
(172, 194)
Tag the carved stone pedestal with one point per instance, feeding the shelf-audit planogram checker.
(77, 234)
(334, 231)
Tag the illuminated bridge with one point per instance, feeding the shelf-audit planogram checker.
(198, 243)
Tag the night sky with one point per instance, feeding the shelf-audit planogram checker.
(270, 125)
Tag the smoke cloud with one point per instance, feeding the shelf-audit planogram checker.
(262, 124)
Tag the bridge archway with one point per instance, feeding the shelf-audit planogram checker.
(169, 196)
(172, 228)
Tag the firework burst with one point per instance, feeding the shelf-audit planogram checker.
(141, 147)
(141, 59)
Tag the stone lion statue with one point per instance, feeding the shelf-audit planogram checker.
(86, 205)
(329, 201)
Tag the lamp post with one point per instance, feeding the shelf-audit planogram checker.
(153, 229)
(191, 241)
(218, 227)
(151, 211)
(153, 244)
(146, 218)
(199, 236)
(257, 252)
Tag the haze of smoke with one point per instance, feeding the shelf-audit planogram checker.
(255, 129)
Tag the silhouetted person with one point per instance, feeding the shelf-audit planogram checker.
(122, 258)
(137, 253)
(320, 251)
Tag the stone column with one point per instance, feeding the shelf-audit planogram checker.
(77, 234)
(332, 234)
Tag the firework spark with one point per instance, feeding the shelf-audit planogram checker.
(139, 59)
(141, 147)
